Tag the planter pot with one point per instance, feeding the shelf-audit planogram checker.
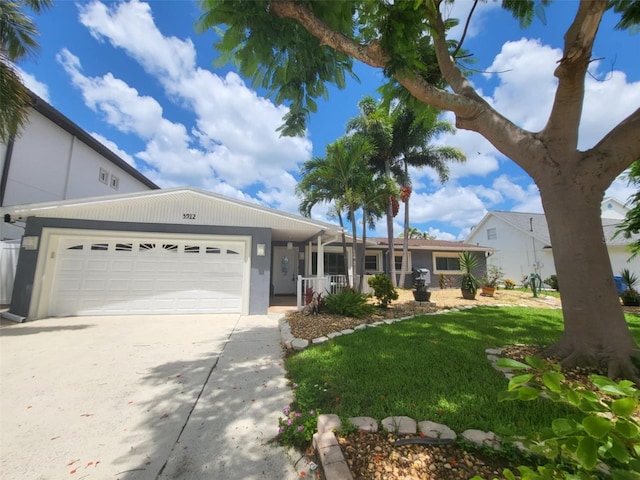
(421, 296)
(468, 294)
(488, 291)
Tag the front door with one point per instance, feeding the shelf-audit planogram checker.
(284, 271)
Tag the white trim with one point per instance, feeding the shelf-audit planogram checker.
(434, 255)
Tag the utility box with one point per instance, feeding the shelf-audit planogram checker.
(422, 274)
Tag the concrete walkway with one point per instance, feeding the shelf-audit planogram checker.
(150, 397)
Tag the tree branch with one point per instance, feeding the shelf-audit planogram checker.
(619, 148)
(562, 127)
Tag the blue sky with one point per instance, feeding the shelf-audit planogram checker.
(139, 78)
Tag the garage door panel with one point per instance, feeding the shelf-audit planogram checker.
(107, 276)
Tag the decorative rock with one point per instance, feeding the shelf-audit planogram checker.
(365, 424)
(347, 331)
(328, 423)
(334, 334)
(362, 326)
(493, 358)
(487, 439)
(436, 430)
(318, 340)
(299, 344)
(400, 424)
(493, 351)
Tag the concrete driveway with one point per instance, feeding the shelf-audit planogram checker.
(142, 397)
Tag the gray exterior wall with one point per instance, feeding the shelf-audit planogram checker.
(27, 260)
(424, 259)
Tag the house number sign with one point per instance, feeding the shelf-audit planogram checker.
(188, 216)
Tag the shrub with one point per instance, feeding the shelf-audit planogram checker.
(349, 303)
(383, 290)
(606, 432)
(296, 429)
(552, 281)
(509, 284)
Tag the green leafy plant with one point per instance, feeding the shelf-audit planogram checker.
(349, 303)
(442, 281)
(630, 297)
(493, 276)
(296, 428)
(603, 436)
(383, 290)
(552, 281)
(468, 281)
(509, 284)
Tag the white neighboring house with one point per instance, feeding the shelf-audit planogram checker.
(522, 245)
(53, 159)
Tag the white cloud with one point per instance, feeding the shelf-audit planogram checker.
(114, 148)
(232, 121)
(33, 84)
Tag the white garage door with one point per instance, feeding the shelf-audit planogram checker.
(147, 275)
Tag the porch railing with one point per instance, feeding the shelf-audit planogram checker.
(326, 285)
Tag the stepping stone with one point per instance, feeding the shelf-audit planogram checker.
(334, 334)
(300, 344)
(400, 424)
(436, 430)
(318, 340)
(362, 326)
(493, 351)
(487, 439)
(347, 331)
(365, 424)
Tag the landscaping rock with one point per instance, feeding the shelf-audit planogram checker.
(328, 423)
(487, 439)
(400, 424)
(365, 424)
(299, 344)
(436, 430)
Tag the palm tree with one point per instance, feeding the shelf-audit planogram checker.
(374, 123)
(17, 41)
(411, 232)
(412, 138)
(401, 140)
(339, 177)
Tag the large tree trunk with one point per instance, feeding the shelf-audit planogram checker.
(405, 241)
(344, 246)
(364, 249)
(596, 332)
(391, 260)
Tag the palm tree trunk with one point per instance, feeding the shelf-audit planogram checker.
(354, 243)
(364, 248)
(405, 244)
(391, 261)
(344, 244)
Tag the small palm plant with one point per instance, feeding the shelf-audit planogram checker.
(469, 282)
(630, 297)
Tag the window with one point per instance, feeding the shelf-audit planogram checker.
(398, 261)
(103, 176)
(334, 263)
(492, 234)
(446, 262)
(115, 182)
(371, 263)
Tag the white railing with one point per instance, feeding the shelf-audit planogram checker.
(326, 285)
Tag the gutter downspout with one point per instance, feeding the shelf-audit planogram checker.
(5, 169)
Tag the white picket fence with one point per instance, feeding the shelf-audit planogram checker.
(8, 262)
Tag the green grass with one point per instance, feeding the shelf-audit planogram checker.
(430, 368)
(548, 292)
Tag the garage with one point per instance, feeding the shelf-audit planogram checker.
(135, 274)
(170, 251)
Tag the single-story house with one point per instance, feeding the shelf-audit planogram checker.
(522, 245)
(179, 250)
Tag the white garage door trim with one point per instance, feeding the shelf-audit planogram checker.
(120, 273)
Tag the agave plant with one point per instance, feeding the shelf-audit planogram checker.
(468, 262)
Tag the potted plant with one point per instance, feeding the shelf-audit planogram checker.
(468, 282)
(630, 297)
(490, 281)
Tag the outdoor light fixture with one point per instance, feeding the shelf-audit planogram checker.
(289, 245)
(260, 249)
